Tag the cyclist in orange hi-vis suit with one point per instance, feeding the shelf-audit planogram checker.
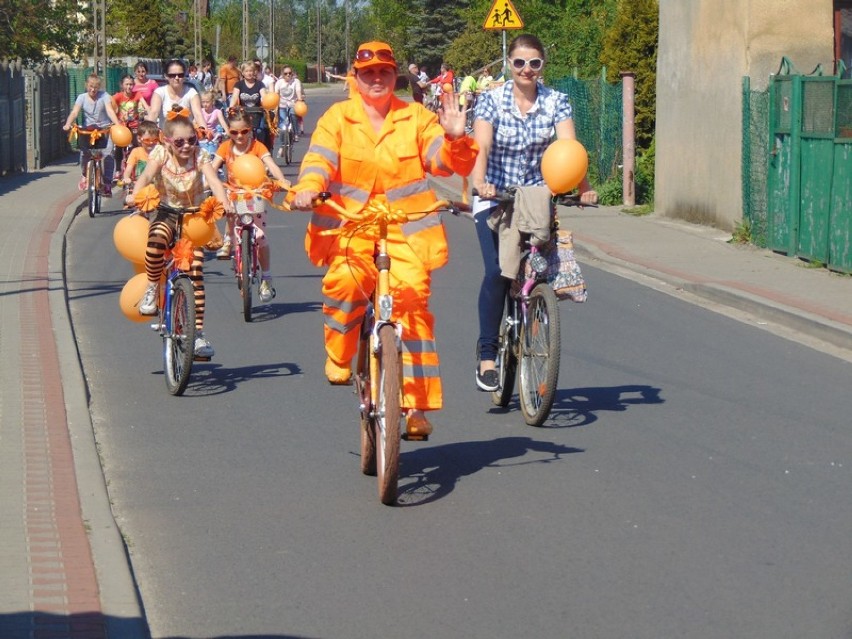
(381, 147)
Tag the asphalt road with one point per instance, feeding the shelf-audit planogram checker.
(694, 480)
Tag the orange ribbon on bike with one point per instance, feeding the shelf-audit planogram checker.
(147, 199)
(211, 210)
(239, 193)
(183, 253)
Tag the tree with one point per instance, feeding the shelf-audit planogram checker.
(631, 45)
(32, 29)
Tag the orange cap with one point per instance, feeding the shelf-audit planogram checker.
(372, 54)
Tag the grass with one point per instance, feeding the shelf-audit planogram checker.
(639, 211)
(742, 233)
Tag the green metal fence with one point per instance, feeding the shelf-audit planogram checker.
(597, 117)
(754, 164)
(77, 81)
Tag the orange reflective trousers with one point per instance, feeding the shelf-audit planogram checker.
(347, 288)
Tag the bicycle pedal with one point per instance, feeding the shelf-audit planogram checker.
(196, 358)
(415, 438)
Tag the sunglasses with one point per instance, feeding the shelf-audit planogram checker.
(534, 63)
(384, 55)
(239, 131)
(180, 142)
(175, 75)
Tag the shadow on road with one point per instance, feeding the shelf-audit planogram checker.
(580, 406)
(431, 473)
(94, 625)
(215, 379)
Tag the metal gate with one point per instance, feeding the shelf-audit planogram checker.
(809, 199)
(13, 149)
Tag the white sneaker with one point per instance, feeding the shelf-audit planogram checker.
(148, 304)
(266, 291)
(225, 252)
(202, 348)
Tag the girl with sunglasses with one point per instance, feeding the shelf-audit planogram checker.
(175, 95)
(513, 126)
(179, 169)
(242, 142)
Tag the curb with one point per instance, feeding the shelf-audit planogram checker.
(120, 602)
(801, 321)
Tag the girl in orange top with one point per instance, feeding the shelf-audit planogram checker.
(241, 142)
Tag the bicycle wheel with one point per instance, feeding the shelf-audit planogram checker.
(179, 335)
(507, 357)
(93, 174)
(245, 271)
(539, 355)
(287, 145)
(368, 427)
(388, 413)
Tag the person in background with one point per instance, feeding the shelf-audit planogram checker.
(206, 77)
(229, 75)
(416, 84)
(129, 108)
(513, 126)
(446, 76)
(148, 136)
(247, 93)
(175, 96)
(214, 122)
(289, 90)
(143, 86)
(380, 147)
(96, 107)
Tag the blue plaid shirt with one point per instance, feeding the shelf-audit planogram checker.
(519, 142)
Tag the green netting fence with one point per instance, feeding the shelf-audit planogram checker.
(755, 164)
(597, 118)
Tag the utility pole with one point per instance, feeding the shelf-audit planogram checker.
(99, 26)
(346, 39)
(245, 31)
(196, 19)
(319, 43)
(271, 39)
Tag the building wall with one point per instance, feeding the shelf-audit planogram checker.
(705, 49)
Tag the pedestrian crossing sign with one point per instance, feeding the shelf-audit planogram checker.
(503, 15)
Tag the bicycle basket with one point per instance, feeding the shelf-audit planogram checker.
(562, 272)
(249, 204)
(84, 141)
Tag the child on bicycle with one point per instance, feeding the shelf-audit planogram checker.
(148, 136)
(129, 107)
(214, 121)
(98, 113)
(176, 168)
(242, 142)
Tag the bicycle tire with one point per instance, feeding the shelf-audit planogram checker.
(287, 145)
(94, 192)
(179, 336)
(539, 352)
(246, 271)
(368, 427)
(507, 358)
(387, 416)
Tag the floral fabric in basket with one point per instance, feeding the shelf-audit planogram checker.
(563, 273)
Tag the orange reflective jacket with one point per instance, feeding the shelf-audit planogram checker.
(349, 159)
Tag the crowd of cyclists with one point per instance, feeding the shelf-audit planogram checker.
(373, 146)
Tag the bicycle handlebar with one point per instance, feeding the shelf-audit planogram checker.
(376, 211)
(565, 199)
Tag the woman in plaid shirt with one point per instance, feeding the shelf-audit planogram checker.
(514, 125)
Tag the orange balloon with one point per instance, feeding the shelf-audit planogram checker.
(447, 87)
(269, 101)
(564, 165)
(138, 268)
(248, 171)
(121, 135)
(197, 230)
(300, 108)
(130, 236)
(130, 297)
